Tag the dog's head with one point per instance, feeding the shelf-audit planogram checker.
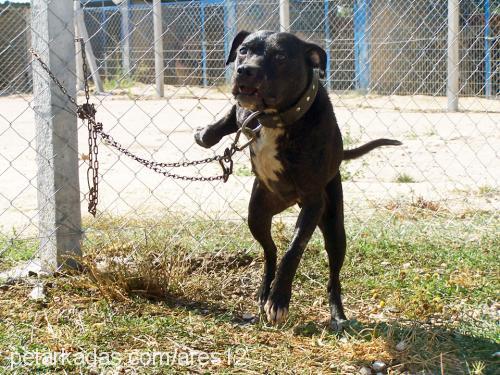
(272, 70)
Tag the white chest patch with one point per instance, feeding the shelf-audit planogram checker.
(265, 161)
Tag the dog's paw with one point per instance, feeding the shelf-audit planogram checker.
(198, 137)
(338, 325)
(276, 312)
(262, 303)
(262, 296)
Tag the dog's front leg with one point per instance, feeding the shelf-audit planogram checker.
(212, 134)
(276, 307)
(263, 206)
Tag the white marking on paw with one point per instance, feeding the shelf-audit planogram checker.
(266, 164)
(274, 314)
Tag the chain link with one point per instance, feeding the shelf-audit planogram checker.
(86, 112)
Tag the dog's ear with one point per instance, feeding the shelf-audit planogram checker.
(238, 39)
(316, 57)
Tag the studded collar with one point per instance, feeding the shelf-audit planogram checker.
(294, 113)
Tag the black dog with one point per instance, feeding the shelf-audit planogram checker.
(296, 156)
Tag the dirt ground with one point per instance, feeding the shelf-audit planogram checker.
(449, 158)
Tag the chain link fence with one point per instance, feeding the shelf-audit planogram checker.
(387, 75)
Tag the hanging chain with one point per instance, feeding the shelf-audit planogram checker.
(86, 112)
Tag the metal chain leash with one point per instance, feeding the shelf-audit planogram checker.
(86, 112)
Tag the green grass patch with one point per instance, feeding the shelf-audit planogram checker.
(404, 178)
(123, 82)
(412, 275)
(243, 170)
(14, 250)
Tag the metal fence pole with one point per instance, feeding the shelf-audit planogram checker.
(230, 28)
(203, 37)
(361, 43)
(82, 30)
(328, 43)
(125, 37)
(453, 72)
(284, 15)
(79, 60)
(158, 45)
(56, 135)
(487, 49)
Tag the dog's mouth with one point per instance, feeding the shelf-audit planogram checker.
(249, 97)
(248, 91)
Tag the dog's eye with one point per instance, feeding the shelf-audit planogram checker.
(243, 50)
(280, 57)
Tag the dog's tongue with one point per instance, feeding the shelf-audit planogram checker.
(248, 90)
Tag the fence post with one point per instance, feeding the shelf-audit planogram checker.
(230, 28)
(78, 52)
(328, 43)
(361, 43)
(82, 31)
(453, 72)
(56, 135)
(158, 46)
(125, 37)
(203, 37)
(487, 49)
(284, 15)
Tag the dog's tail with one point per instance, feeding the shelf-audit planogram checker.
(360, 151)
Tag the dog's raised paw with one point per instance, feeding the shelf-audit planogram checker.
(198, 137)
(275, 314)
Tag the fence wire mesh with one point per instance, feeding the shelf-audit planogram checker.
(386, 74)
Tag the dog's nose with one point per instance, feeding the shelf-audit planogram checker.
(248, 71)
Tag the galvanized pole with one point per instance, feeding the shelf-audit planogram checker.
(487, 49)
(125, 37)
(79, 60)
(328, 43)
(203, 36)
(230, 27)
(79, 64)
(362, 10)
(82, 29)
(158, 45)
(284, 15)
(56, 135)
(453, 72)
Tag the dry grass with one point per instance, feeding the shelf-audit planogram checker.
(154, 290)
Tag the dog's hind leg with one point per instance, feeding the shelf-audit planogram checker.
(261, 210)
(332, 226)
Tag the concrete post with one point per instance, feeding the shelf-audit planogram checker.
(56, 135)
(158, 46)
(453, 72)
(284, 16)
